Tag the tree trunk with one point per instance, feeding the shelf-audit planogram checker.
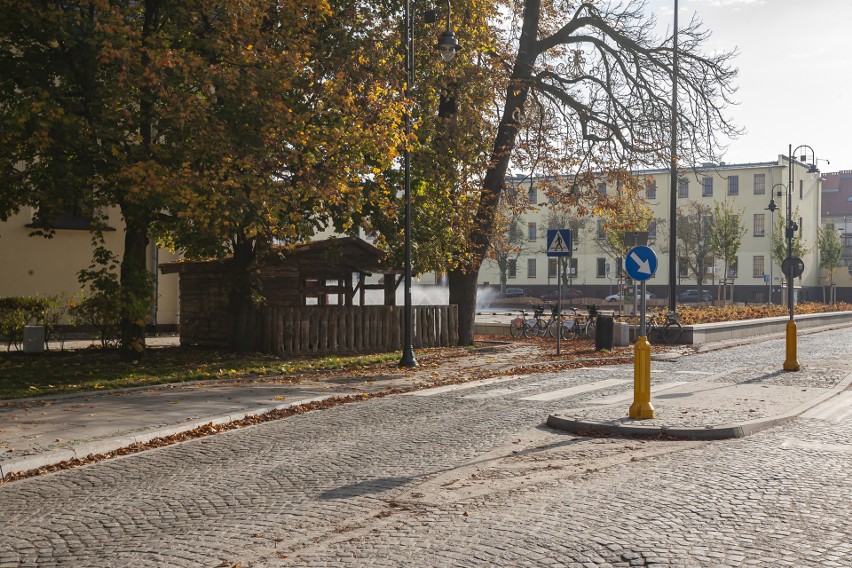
(463, 294)
(241, 310)
(135, 288)
(463, 279)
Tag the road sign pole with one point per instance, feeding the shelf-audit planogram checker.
(642, 407)
(558, 313)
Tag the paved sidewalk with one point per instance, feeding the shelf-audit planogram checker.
(723, 403)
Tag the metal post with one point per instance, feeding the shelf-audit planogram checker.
(408, 359)
(673, 168)
(791, 362)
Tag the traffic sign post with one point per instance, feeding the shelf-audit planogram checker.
(559, 245)
(641, 264)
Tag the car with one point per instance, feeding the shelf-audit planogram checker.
(628, 297)
(693, 296)
(567, 294)
(514, 293)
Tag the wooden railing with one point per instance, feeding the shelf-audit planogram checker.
(355, 329)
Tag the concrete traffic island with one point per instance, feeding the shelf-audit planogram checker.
(727, 405)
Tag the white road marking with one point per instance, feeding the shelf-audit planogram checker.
(464, 386)
(835, 409)
(790, 443)
(565, 393)
(627, 396)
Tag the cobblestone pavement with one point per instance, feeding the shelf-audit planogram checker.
(464, 477)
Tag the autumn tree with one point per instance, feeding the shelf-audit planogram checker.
(297, 118)
(216, 126)
(695, 254)
(589, 90)
(830, 252)
(509, 240)
(726, 239)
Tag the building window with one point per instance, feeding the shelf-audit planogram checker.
(602, 188)
(801, 188)
(533, 195)
(572, 267)
(619, 270)
(707, 187)
(683, 188)
(601, 232)
(682, 268)
(652, 230)
(759, 184)
(72, 214)
(733, 185)
(552, 268)
(532, 231)
(531, 272)
(759, 225)
(512, 268)
(758, 267)
(601, 267)
(651, 189)
(733, 271)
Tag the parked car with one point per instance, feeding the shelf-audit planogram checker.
(567, 294)
(514, 293)
(628, 297)
(692, 296)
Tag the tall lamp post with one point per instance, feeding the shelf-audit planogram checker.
(772, 207)
(791, 362)
(447, 47)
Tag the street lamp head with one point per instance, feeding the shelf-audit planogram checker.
(813, 171)
(772, 205)
(448, 45)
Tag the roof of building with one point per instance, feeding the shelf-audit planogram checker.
(330, 259)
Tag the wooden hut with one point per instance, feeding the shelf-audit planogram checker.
(334, 272)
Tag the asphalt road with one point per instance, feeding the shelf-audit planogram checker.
(461, 477)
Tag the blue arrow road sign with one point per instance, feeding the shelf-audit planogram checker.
(559, 242)
(641, 263)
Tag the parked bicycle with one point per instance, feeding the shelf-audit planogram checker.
(591, 323)
(524, 326)
(572, 325)
(663, 327)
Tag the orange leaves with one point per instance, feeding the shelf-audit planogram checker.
(691, 315)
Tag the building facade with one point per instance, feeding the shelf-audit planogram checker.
(38, 266)
(747, 187)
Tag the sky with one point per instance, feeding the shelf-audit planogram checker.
(795, 73)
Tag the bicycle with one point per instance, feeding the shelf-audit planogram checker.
(519, 326)
(668, 330)
(591, 324)
(524, 326)
(540, 325)
(571, 327)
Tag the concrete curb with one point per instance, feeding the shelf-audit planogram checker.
(79, 451)
(627, 427)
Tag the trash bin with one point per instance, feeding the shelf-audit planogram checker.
(604, 332)
(33, 339)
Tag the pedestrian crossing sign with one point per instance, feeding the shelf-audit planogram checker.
(559, 242)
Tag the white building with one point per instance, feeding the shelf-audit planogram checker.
(748, 188)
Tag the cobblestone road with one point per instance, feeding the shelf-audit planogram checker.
(460, 478)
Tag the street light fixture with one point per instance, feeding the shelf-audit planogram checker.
(447, 47)
(791, 362)
(772, 207)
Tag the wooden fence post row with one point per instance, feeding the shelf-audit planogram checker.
(284, 330)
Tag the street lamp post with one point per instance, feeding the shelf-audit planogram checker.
(772, 207)
(447, 47)
(791, 362)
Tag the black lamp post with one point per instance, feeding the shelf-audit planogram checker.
(447, 47)
(791, 362)
(772, 207)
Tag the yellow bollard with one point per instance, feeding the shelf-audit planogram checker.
(641, 407)
(791, 363)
